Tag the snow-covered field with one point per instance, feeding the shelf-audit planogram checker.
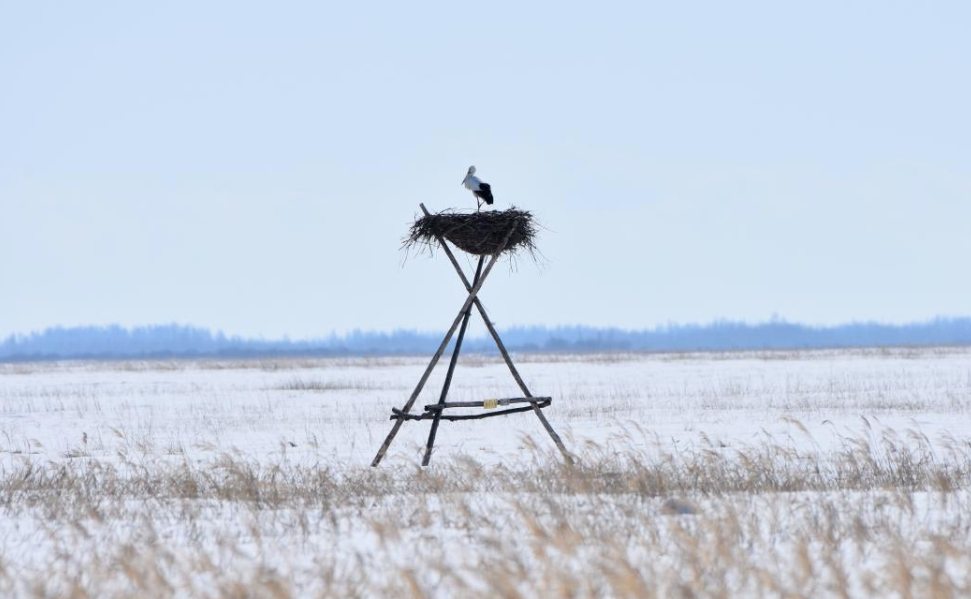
(784, 474)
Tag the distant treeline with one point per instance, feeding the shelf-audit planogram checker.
(113, 342)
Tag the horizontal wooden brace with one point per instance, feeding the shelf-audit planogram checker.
(480, 404)
(399, 415)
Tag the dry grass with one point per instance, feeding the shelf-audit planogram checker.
(325, 386)
(227, 479)
(881, 517)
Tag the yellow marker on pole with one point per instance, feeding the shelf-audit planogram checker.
(490, 404)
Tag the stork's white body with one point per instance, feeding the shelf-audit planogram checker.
(482, 191)
(472, 183)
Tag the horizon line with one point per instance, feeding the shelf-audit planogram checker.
(658, 327)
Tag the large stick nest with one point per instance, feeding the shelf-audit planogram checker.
(479, 233)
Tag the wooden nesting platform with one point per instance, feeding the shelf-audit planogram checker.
(490, 233)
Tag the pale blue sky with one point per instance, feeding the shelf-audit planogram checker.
(252, 167)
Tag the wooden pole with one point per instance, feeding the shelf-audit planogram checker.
(502, 348)
(473, 291)
(448, 375)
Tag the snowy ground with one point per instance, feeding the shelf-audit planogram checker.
(711, 474)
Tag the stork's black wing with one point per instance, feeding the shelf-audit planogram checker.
(485, 193)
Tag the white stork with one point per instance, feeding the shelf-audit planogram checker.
(482, 191)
